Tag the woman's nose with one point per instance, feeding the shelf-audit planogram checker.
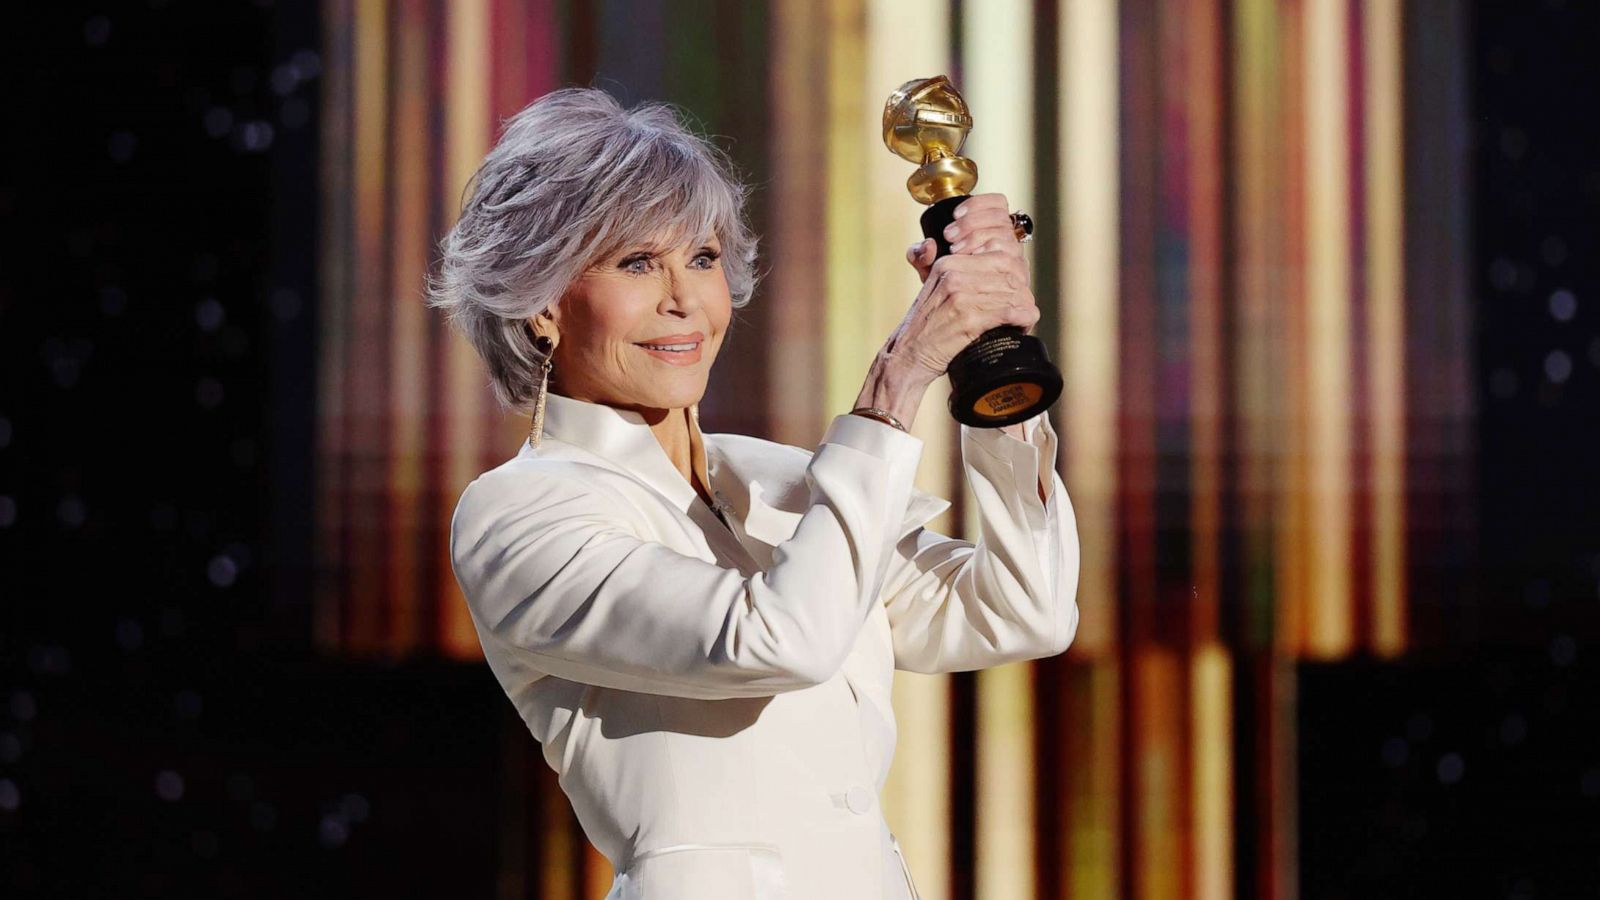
(681, 296)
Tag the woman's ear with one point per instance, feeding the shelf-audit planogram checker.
(544, 324)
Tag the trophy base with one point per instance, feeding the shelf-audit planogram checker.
(1002, 378)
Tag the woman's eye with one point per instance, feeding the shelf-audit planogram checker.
(641, 265)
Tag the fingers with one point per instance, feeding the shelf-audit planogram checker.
(1025, 315)
(993, 242)
(981, 291)
(921, 256)
(987, 227)
(988, 262)
(980, 202)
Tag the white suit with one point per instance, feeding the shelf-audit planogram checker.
(715, 697)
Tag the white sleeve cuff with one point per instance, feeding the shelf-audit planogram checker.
(871, 436)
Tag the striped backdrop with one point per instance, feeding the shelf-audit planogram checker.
(1251, 263)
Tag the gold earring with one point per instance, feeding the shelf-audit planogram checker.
(545, 347)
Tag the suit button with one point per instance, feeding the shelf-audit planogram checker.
(859, 799)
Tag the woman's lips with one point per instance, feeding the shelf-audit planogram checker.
(676, 357)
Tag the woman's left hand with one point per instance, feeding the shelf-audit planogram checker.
(982, 222)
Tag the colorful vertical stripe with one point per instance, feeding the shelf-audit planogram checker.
(997, 46)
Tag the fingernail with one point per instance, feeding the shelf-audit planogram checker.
(956, 247)
(951, 232)
(960, 211)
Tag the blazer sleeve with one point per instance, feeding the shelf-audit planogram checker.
(549, 568)
(956, 605)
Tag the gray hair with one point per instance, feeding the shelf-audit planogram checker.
(574, 179)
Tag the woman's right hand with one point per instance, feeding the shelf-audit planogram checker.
(964, 296)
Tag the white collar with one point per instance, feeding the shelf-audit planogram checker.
(623, 438)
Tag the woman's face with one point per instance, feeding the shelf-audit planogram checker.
(641, 328)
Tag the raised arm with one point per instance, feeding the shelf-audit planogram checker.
(550, 569)
(956, 605)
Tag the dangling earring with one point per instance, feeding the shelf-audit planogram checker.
(546, 347)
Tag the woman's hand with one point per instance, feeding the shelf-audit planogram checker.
(965, 295)
(984, 283)
(982, 223)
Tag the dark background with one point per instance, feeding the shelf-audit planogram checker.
(166, 730)
(1475, 771)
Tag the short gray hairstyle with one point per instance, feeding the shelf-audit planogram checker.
(573, 179)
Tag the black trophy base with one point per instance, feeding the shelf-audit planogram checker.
(1005, 376)
(1002, 378)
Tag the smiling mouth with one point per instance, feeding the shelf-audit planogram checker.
(674, 348)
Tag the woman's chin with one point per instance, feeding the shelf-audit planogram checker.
(673, 396)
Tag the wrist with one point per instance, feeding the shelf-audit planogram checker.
(891, 388)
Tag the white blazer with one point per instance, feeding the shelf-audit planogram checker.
(715, 697)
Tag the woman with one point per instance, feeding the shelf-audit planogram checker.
(701, 630)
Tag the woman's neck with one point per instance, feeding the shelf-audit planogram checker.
(671, 429)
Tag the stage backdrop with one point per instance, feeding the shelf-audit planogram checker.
(1251, 253)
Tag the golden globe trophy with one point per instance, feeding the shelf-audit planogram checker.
(1005, 376)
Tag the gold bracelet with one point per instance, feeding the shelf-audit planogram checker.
(882, 415)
